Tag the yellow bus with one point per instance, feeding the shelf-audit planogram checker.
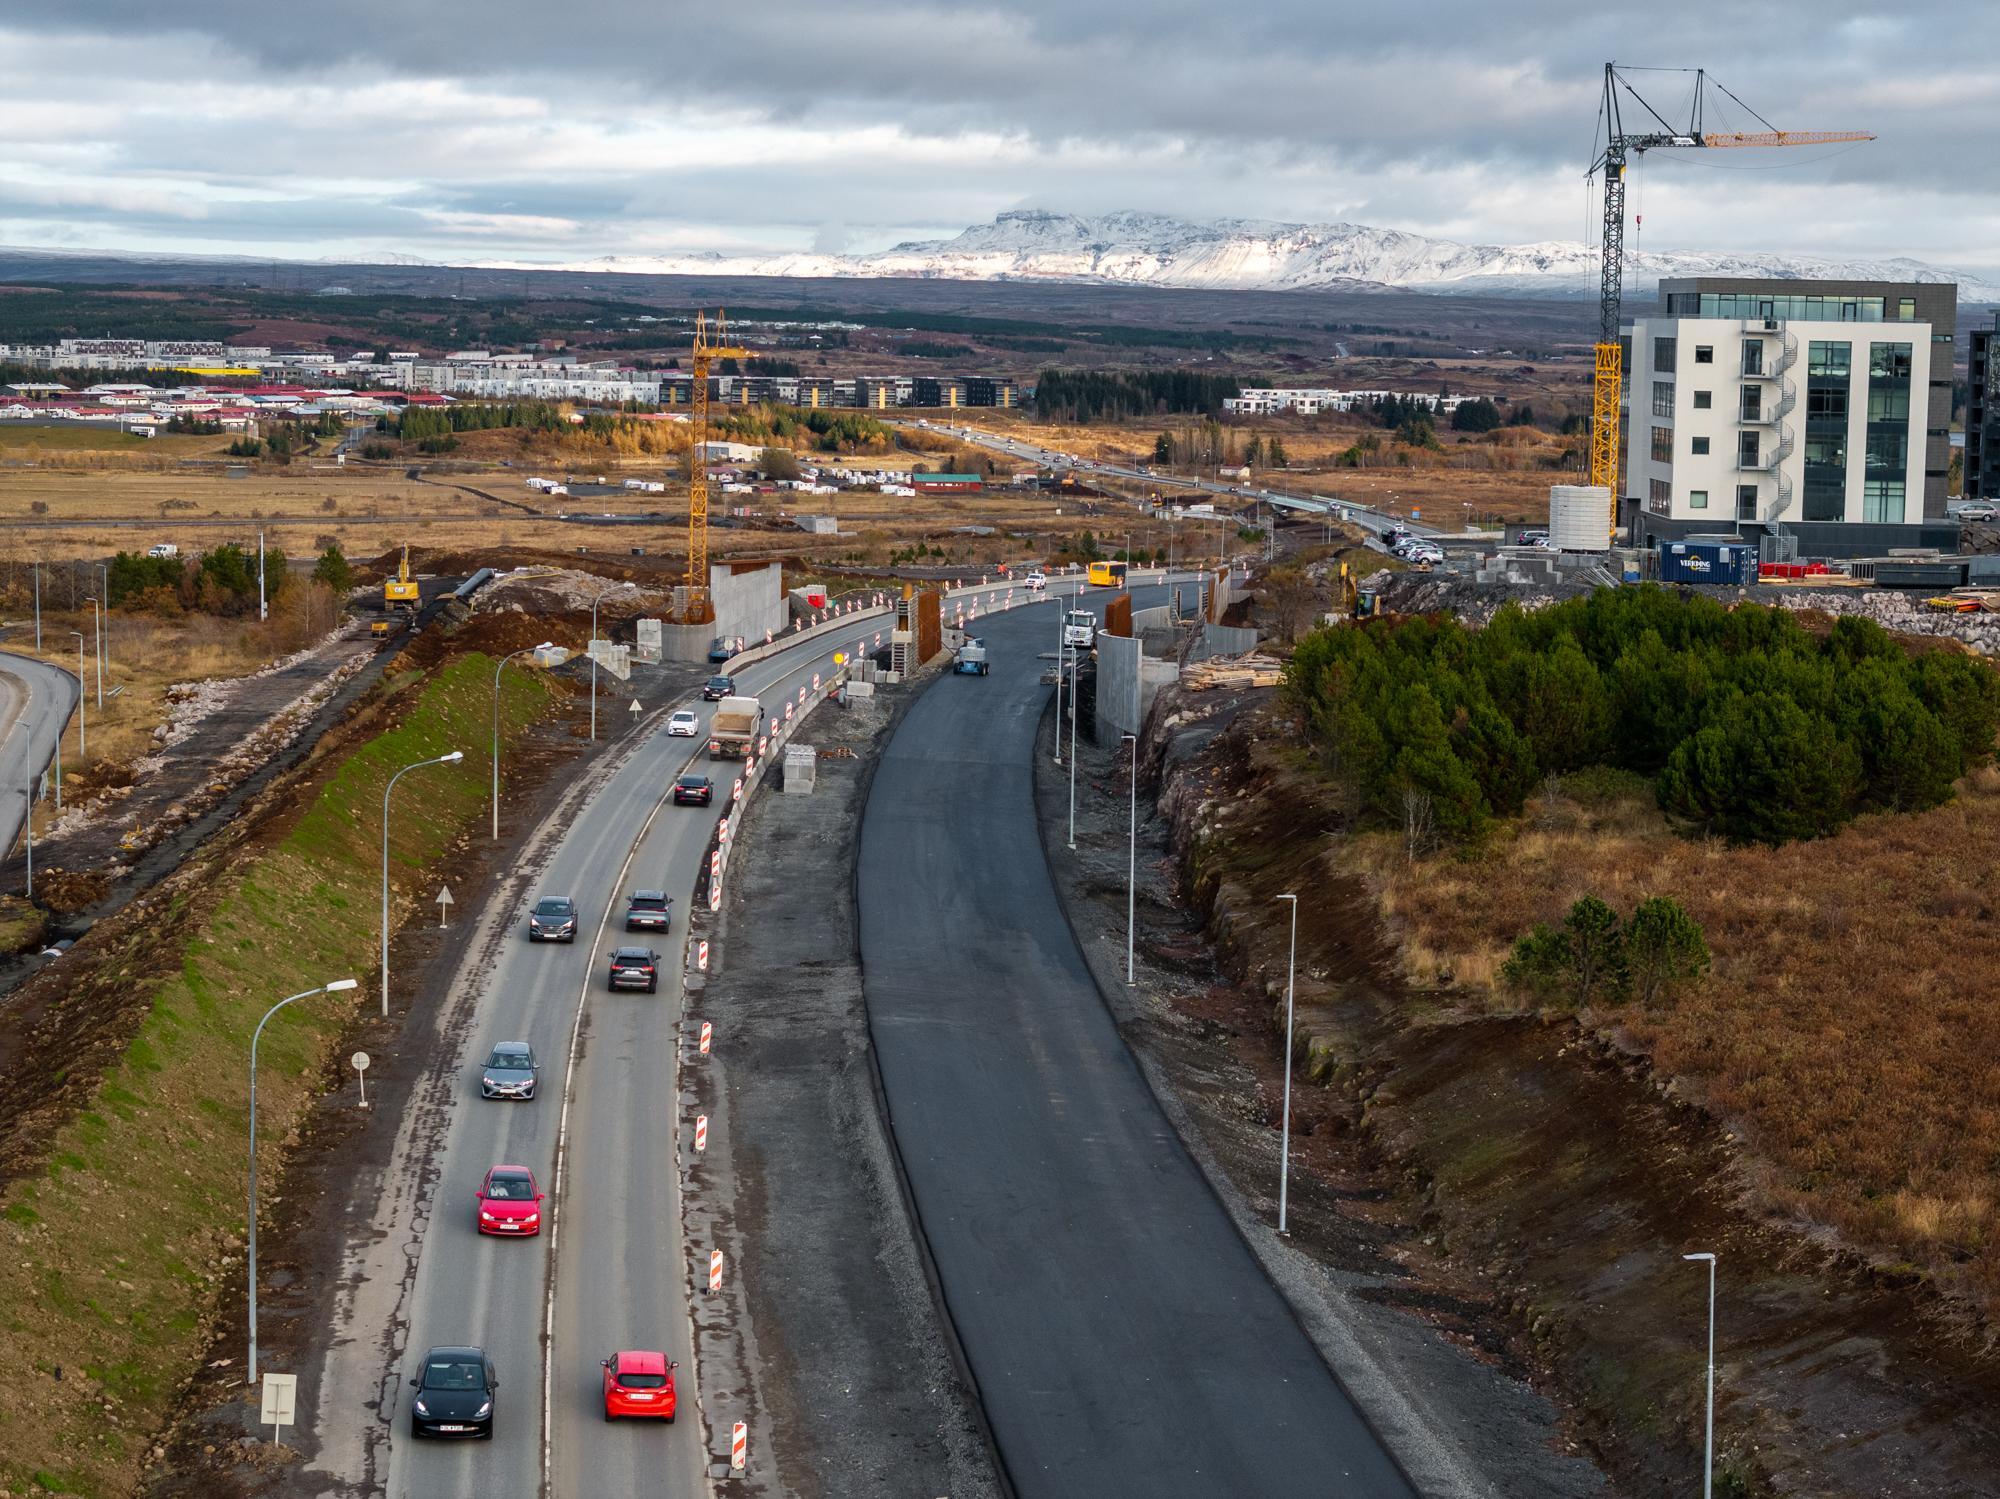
(1107, 575)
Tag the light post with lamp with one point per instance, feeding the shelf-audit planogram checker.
(1131, 860)
(335, 987)
(1708, 1439)
(1285, 1135)
(451, 759)
(497, 669)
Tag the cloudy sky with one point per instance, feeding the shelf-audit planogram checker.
(480, 129)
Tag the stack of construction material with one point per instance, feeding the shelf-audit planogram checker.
(1253, 670)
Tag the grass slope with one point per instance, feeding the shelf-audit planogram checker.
(118, 1250)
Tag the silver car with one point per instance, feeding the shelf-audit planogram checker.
(509, 1072)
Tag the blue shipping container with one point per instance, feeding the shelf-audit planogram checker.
(1705, 562)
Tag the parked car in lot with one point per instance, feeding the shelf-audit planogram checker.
(638, 1383)
(693, 790)
(552, 920)
(1529, 537)
(1978, 510)
(455, 1390)
(717, 687)
(649, 910)
(510, 1071)
(510, 1204)
(683, 723)
(635, 968)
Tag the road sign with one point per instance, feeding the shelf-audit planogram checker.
(281, 1398)
(360, 1061)
(636, 710)
(443, 900)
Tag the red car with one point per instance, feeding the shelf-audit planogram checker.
(509, 1202)
(639, 1384)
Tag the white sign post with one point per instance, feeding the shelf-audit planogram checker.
(636, 710)
(443, 900)
(360, 1061)
(281, 1392)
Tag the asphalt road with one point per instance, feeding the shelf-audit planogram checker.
(420, 1275)
(36, 703)
(1122, 1337)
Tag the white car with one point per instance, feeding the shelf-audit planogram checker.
(684, 723)
(1978, 510)
(1037, 582)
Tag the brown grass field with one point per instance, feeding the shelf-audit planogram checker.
(1846, 1033)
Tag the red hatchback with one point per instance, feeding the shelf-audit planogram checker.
(509, 1202)
(639, 1384)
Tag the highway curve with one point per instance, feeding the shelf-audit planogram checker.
(37, 700)
(1123, 1339)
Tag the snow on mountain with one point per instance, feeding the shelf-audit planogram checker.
(1145, 249)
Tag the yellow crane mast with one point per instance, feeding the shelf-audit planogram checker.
(1611, 159)
(706, 350)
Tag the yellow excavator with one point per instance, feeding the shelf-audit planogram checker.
(400, 595)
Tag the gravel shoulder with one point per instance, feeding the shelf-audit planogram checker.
(826, 1331)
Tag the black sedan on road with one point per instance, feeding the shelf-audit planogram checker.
(716, 688)
(649, 910)
(635, 968)
(693, 790)
(454, 1394)
(509, 1072)
(552, 920)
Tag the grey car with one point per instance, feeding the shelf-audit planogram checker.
(552, 920)
(510, 1072)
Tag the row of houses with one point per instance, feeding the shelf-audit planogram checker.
(1300, 401)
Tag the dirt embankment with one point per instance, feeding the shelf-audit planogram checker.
(1568, 1178)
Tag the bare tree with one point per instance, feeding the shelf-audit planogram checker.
(1292, 600)
(1419, 824)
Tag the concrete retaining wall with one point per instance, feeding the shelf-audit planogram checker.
(1223, 640)
(747, 603)
(1127, 682)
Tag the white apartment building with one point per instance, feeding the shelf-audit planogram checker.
(1808, 416)
(1303, 401)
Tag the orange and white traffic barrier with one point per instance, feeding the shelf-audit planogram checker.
(788, 712)
(707, 1029)
(878, 637)
(701, 1132)
(763, 743)
(736, 791)
(815, 682)
(715, 895)
(739, 1447)
(767, 637)
(714, 1270)
(722, 831)
(802, 695)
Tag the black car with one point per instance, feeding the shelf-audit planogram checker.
(552, 920)
(509, 1072)
(693, 790)
(635, 968)
(716, 688)
(649, 910)
(454, 1394)
(721, 649)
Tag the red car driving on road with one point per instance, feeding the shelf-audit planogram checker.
(639, 1384)
(510, 1204)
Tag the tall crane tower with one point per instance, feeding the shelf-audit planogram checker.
(709, 344)
(1611, 159)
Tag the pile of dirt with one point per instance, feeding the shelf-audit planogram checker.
(543, 590)
(498, 633)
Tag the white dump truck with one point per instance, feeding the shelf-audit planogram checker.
(732, 732)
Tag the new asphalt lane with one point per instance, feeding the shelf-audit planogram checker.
(1122, 1337)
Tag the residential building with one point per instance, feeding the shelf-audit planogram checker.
(1810, 417)
(1982, 415)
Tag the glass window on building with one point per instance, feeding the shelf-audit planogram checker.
(1888, 450)
(1825, 497)
(1826, 403)
(1663, 398)
(1746, 449)
(1704, 399)
(1753, 356)
(1828, 357)
(1890, 361)
(1906, 309)
(1700, 446)
(1663, 355)
(1704, 353)
(1753, 402)
(1697, 499)
(1659, 495)
(1663, 445)
(1746, 502)
(1797, 308)
(1882, 501)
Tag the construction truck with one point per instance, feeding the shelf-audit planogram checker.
(732, 731)
(1079, 631)
(401, 591)
(970, 660)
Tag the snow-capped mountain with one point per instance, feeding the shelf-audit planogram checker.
(1144, 249)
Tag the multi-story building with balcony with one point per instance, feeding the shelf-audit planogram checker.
(1810, 417)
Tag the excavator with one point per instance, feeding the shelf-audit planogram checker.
(400, 595)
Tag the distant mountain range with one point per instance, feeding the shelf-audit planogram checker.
(1148, 249)
(1145, 249)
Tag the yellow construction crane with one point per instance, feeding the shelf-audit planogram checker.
(1618, 144)
(401, 591)
(706, 349)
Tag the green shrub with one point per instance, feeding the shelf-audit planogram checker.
(1664, 949)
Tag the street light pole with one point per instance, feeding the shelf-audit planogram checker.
(97, 639)
(1285, 1137)
(451, 759)
(593, 668)
(1062, 665)
(1132, 861)
(1708, 1440)
(496, 731)
(82, 698)
(1076, 666)
(335, 986)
